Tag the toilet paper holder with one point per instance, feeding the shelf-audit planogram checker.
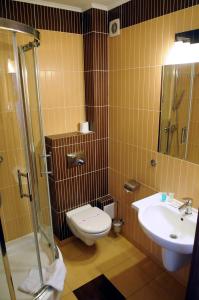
(131, 186)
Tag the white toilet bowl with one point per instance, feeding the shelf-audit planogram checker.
(88, 223)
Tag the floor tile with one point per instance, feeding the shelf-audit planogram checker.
(150, 292)
(84, 263)
(133, 274)
(163, 287)
(74, 249)
(79, 272)
(132, 278)
(108, 255)
(70, 296)
(171, 286)
(108, 252)
(66, 290)
(118, 269)
(123, 245)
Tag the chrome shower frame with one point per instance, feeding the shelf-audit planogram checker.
(19, 27)
(22, 88)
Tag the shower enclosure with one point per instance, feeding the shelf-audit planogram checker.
(26, 236)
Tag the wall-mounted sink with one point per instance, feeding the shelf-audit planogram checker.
(172, 230)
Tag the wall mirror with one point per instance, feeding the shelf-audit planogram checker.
(179, 113)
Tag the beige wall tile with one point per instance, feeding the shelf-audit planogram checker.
(135, 59)
(62, 81)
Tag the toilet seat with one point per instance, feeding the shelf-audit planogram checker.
(91, 220)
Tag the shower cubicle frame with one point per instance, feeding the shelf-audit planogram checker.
(22, 89)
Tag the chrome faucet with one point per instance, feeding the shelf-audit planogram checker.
(187, 206)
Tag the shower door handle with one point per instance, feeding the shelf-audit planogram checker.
(46, 156)
(25, 175)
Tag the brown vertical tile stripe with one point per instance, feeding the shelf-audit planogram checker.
(95, 52)
(42, 17)
(74, 187)
(95, 20)
(95, 39)
(137, 11)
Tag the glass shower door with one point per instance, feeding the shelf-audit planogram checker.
(16, 212)
(38, 157)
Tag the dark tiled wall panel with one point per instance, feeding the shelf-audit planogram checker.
(137, 11)
(95, 51)
(96, 70)
(77, 186)
(77, 191)
(42, 17)
(95, 20)
(96, 89)
(96, 153)
(68, 139)
(98, 118)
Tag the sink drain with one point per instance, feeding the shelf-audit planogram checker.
(173, 236)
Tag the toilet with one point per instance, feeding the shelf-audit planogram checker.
(88, 223)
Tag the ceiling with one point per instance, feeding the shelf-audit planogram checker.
(78, 5)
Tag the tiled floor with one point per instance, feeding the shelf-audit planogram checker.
(133, 274)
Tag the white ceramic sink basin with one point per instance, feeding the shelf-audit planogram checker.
(169, 228)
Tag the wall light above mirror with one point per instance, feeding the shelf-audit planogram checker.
(185, 48)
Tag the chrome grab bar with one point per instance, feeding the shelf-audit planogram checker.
(26, 175)
(46, 156)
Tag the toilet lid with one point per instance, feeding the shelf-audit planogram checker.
(92, 220)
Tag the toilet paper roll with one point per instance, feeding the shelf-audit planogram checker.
(84, 127)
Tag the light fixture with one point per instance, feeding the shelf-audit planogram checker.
(185, 49)
(11, 66)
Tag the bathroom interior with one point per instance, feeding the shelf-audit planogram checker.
(99, 149)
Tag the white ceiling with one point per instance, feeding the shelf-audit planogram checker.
(78, 5)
